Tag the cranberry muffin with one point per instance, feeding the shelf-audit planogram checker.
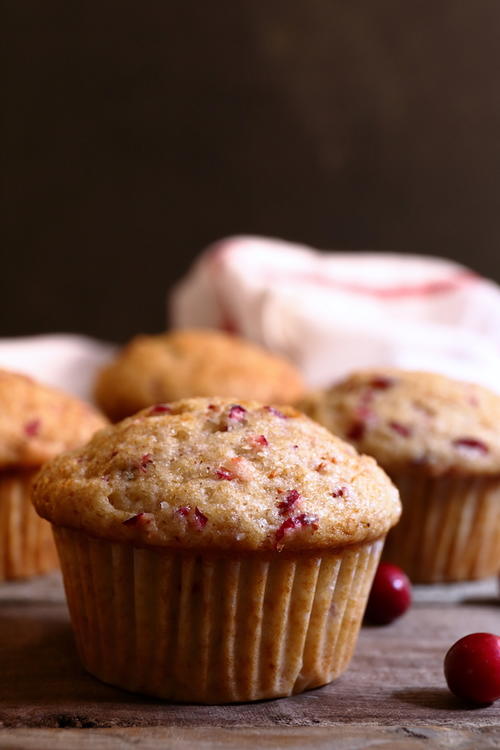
(439, 441)
(215, 551)
(36, 424)
(185, 363)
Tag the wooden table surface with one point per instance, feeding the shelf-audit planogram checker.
(393, 695)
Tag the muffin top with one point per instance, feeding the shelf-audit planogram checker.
(218, 475)
(187, 363)
(38, 422)
(414, 420)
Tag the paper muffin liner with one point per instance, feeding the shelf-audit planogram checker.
(449, 529)
(26, 544)
(197, 628)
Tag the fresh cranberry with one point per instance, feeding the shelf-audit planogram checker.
(472, 668)
(390, 596)
(472, 444)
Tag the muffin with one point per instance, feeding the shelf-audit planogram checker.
(185, 363)
(216, 552)
(439, 441)
(36, 424)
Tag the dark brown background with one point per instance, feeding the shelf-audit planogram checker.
(137, 132)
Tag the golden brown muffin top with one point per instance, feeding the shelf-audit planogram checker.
(213, 474)
(38, 422)
(187, 363)
(414, 421)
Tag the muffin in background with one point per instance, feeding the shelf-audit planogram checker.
(188, 363)
(215, 551)
(439, 441)
(36, 423)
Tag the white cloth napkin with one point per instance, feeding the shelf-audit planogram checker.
(334, 312)
(65, 361)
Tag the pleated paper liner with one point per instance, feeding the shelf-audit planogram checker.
(26, 544)
(449, 529)
(197, 628)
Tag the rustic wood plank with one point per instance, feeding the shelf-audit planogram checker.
(338, 736)
(395, 678)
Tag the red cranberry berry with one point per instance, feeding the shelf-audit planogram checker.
(340, 492)
(390, 596)
(159, 409)
(472, 444)
(382, 382)
(195, 518)
(32, 428)
(401, 429)
(257, 441)
(224, 473)
(200, 518)
(296, 522)
(365, 417)
(287, 504)
(357, 430)
(139, 520)
(275, 412)
(237, 413)
(472, 668)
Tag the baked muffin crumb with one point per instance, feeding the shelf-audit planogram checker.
(221, 475)
(185, 363)
(403, 418)
(38, 421)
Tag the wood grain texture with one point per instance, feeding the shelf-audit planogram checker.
(395, 680)
(334, 737)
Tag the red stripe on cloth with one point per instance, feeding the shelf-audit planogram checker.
(459, 279)
(220, 254)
